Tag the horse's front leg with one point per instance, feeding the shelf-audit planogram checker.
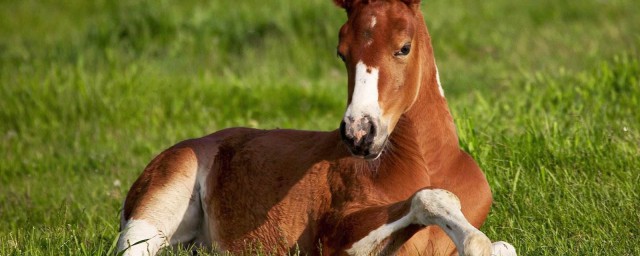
(442, 208)
(426, 207)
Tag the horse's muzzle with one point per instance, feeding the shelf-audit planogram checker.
(359, 135)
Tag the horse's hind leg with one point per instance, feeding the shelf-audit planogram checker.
(163, 206)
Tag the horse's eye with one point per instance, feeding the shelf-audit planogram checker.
(341, 56)
(404, 51)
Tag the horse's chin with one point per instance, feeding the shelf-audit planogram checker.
(372, 153)
(373, 157)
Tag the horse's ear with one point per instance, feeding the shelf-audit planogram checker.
(348, 4)
(412, 3)
(345, 4)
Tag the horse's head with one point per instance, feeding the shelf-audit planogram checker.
(380, 46)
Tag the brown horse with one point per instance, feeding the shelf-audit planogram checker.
(391, 180)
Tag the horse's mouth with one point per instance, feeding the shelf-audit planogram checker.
(373, 156)
(370, 152)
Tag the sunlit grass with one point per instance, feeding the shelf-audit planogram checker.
(545, 95)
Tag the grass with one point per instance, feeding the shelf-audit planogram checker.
(545, 95)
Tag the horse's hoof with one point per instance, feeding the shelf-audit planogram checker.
(503, 249)
(477, 244)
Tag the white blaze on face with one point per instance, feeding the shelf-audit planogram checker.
(439, 84)
(364, 100)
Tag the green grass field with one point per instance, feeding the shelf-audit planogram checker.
(546, 96)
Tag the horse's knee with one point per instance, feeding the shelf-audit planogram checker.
(429, 203)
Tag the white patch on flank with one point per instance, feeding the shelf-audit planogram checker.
(136, 231)
(122, 220)
(207, 227)
(368, 244)
(439, 84)
(171, 215)
(364, 100)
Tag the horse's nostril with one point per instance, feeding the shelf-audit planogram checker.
(371, 134)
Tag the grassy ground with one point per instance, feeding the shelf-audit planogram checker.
(545, 94)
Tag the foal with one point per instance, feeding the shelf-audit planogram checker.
(391, 180)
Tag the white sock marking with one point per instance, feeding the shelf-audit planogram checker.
(430, 207)
(502, 248)
(442, 208)
(136, 231)
(368, 244)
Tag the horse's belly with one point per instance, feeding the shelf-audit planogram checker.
(251, 205)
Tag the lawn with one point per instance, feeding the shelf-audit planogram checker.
(546, 97)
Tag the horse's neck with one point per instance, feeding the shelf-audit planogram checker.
(428, 120)
(435, 132)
